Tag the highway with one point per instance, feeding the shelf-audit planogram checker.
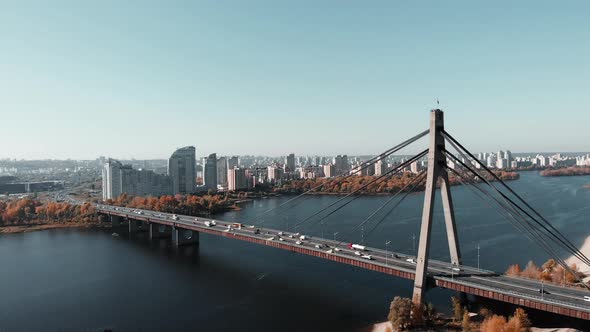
(568, 297)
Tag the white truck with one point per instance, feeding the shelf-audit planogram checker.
(357, 246)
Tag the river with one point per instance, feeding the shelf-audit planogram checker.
(88, 279)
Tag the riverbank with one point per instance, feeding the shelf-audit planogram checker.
(13, 229)
(585, 249)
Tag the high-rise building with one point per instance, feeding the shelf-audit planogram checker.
(222, 171)
(380, 167)
(415, 167)
(236, 179)
(290, 163)
(210, 169)
(181, 168)
(341, 164)
(232, 162)
(118, 179)
(274, 173)
(111, 179)
(329, 170)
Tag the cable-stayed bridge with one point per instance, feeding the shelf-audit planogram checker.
(426, 273)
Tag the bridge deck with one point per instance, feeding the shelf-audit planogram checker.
(561, 300)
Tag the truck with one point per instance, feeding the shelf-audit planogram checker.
(174, 217)
(356, 246)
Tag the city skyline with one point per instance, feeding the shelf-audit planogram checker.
(257, 78)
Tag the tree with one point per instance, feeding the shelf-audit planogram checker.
(494, 323)
(513, 270)
(457, 309)
(400, 311)
(466, 322)
(531, 271)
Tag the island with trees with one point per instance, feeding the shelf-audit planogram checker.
(566, 171)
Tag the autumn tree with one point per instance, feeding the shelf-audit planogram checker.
(466, 321)
(400, 311)
(457, 309)
(494, 323)
(514, 270)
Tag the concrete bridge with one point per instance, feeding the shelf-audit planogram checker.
(184, 230)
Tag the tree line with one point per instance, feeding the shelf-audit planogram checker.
(567, 171)
(386, 186)
(28, 210)
(404, 315)
(182, 204)
(550, 271)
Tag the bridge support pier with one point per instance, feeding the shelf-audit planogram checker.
(436, 169)
(134, 225)
(181, 237)
(158, 231)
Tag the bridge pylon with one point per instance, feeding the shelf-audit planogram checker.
(436, 170)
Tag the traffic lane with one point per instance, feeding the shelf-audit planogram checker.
(528, 291)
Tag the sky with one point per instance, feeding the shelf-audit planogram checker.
(137, 79)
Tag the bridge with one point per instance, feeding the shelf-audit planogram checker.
(426, 273)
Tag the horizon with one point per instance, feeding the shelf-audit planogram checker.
(308, 78)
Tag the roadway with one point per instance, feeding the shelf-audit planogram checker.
(570, 297)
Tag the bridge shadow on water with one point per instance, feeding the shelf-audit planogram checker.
(224, 284)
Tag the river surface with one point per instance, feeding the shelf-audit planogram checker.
(87, 279)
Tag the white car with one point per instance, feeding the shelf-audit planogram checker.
(456, 269)
(298, 242)
(319, 246)
(358, 253)
(369, 257)
(336, 249)
(213, 223)
(280, 233)
(281, 239)
(411, 260)
(271, 238)
(587, 298)
(329, 251)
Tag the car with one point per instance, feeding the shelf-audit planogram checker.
(280, 233)
(587, 298)
(411, 260)
(329, 251)
(543, 291)
(319, 246)
(271, 238)
(298, 242)
(257, 231)
(369, 257)
(291, 235)
(213, 223)
(456, 269)
(196, 219)
(281, 239)
(358, 253)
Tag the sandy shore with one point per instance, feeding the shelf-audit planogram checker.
(40, 227)
(585, 249)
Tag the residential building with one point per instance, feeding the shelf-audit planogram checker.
(182, 170)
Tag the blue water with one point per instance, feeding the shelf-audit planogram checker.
(88, 279)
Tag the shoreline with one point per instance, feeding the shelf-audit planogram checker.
(15, 229)
(585, 249)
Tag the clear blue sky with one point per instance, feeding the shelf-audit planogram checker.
(139, 78)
